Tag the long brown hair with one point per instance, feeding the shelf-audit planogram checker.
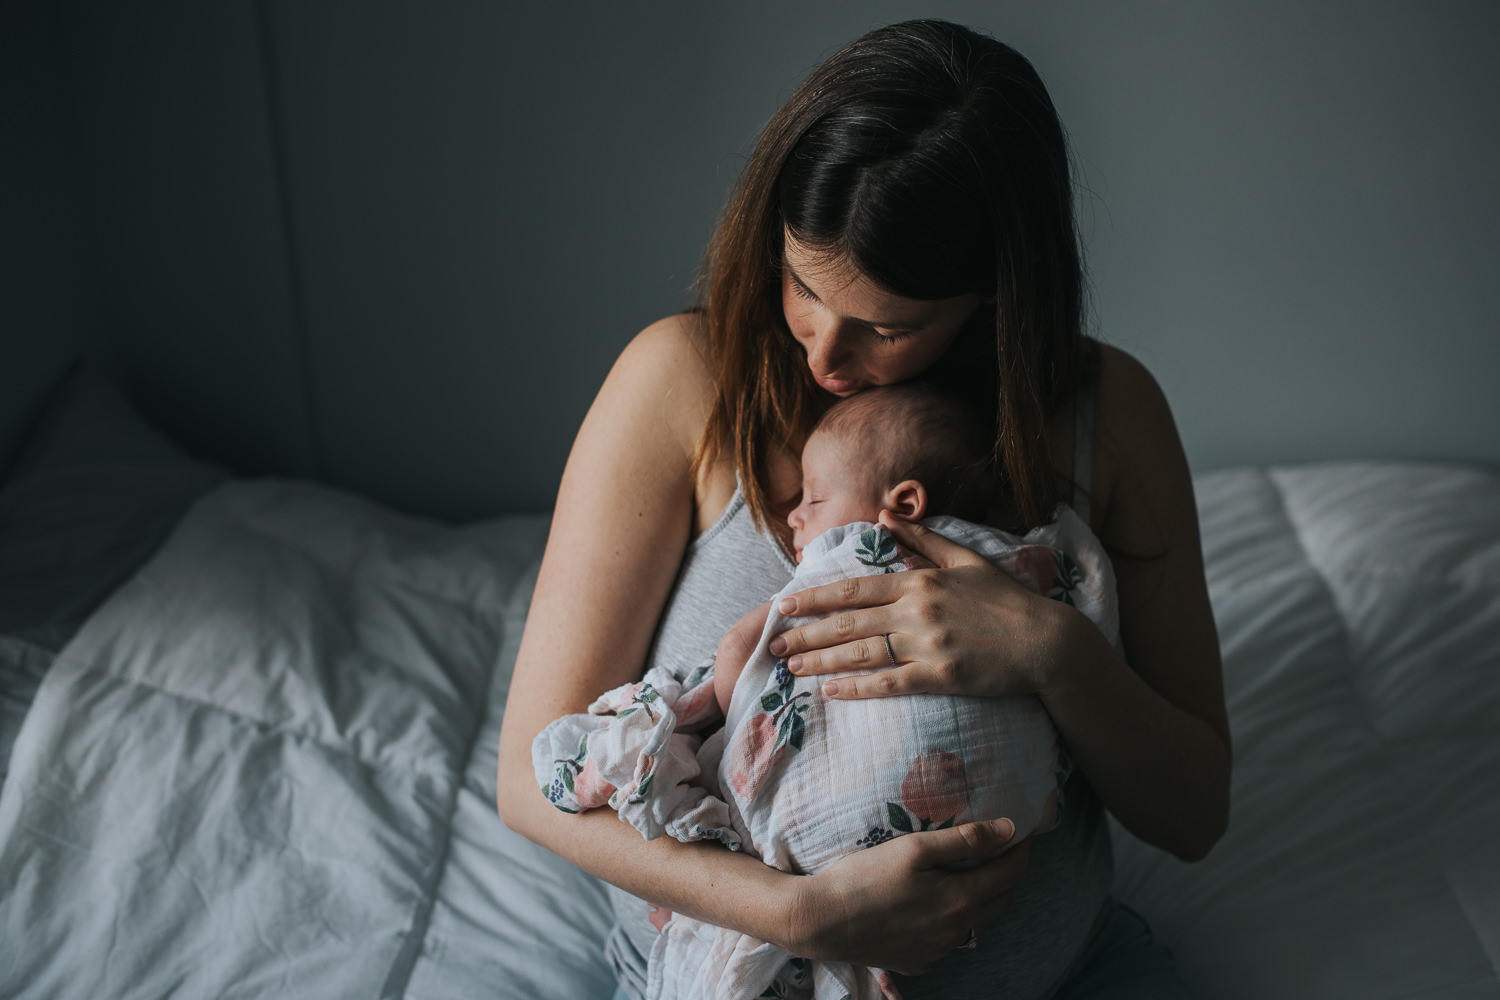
(931, 158)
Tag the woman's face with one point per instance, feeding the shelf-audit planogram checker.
(857, 335)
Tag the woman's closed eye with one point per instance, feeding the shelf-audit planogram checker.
(802, 290)
(888, 337)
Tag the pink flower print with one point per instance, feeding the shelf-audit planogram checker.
(1036, 568)
(936, 788)
(615, 699)
(698, 704)
(659, 916)
(590, 788)
(754, 752)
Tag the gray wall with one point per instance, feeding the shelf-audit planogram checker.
(397, 245)
(46, 278)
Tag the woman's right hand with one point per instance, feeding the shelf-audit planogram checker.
(900, 906)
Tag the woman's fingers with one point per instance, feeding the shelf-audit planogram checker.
(965, 844)
(943, 552)
(855, 592)
(914, 679)
(862, 631)
(964, 627)
(907, 903)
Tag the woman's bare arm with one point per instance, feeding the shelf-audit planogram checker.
(621, 525)
(1153, 736)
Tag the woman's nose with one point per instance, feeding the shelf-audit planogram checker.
(826, 351)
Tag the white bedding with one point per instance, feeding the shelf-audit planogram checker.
(265, 766)
(1359, 610)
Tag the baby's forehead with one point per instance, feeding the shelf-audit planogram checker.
(861, 454)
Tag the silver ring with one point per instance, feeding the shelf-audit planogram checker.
(888, 651)
(972, 941)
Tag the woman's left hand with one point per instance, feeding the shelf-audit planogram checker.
(962, 628)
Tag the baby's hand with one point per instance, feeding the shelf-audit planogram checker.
(735, 650)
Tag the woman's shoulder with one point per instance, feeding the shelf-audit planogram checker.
(1129, 400)
(663, 385)
(672, 348)
(665, 367)
(1140, 467)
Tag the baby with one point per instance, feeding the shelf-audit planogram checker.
(800, 779)
(874, 451)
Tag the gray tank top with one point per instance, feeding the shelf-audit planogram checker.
(1029, 951)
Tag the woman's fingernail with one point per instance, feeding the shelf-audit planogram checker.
(831, 688)
(778, 646)
(1005, 828)
(794, 664)
(788, 605)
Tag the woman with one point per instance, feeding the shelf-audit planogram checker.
(909, 211)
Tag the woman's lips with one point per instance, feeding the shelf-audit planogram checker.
(839, 385)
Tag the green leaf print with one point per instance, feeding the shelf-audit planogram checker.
(770, 702)
(898, 817)
(699, 672)
(877, 548)
(1067, 580)
(798, 731)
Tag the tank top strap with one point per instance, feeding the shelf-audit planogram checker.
(1083, 450)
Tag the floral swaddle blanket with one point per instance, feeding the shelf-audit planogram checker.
(799, 779)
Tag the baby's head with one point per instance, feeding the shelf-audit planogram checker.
(904, 448)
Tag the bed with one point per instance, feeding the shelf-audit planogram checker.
(248, 733)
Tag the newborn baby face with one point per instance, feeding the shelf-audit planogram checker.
(836, 488)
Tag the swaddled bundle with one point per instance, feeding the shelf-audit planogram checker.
(799, 779)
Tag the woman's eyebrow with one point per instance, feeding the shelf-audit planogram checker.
(900, 327)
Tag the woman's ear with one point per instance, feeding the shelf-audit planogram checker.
(907, 500)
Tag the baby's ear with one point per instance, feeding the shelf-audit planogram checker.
(907, 500)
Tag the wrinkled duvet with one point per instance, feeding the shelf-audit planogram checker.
(264, 767)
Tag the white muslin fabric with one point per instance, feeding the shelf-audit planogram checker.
(799, 779)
